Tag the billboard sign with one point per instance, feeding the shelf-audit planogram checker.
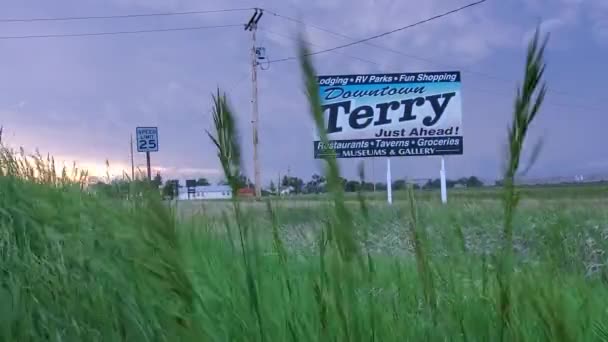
(391, 115)
(147, 139)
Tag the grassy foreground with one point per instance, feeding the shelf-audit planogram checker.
(81, 268)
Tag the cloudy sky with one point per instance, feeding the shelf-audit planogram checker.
(80, 98)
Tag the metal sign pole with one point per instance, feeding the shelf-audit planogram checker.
(132, 161)
(444, 191)
(389, 182)
(148, 163)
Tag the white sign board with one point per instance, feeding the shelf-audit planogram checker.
(147, 139)
(391, 115)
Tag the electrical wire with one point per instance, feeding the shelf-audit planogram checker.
(476, 88)
(312, 44)
(378, 46)
(113, 33)
(424, 59)
(125, 16)
(360, 41)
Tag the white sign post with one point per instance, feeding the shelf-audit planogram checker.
(391, 115)
(389, 182)
(147, 141)
(444, 192)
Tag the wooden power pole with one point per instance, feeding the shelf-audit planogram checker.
(252, 26)
(132, 162)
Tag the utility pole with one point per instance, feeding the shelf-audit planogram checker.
(373, 175)
(132, 161)
(252, 26)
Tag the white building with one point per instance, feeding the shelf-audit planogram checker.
(287, 190)
(209, 192)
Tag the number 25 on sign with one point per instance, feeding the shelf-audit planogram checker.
(147, 139)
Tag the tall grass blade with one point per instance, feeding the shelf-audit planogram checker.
(229, 154)
(527, 105)
(418, 237)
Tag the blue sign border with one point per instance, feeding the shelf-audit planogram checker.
(405, 146)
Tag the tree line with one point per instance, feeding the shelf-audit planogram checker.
(317, 184)
(287, 185)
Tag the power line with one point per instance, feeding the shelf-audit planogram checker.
(439, 16)
(477, 88)
(424, 59)
(124, 16)
(341, 35)
(90, 34)
(312, 44)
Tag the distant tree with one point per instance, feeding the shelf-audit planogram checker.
(171, 188)
(102, 189)
(469, 182)
(473, 182)
(296, 183)
(309, 187)
(450, 183)
(433, 184)
(316, 185)
(318, 179)
(273, 187)
(380, 186)
(367, 186)
(158, 180)
(344, 181)
(399, 185)
(120, 188)
(202, 182)
(243, 182)
(352, 186)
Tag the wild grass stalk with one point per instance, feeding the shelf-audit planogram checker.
(343, 227)
(229, 154)
(336, 291)
(289, 299)
(527, 105)
(425, 272)
(370, 274)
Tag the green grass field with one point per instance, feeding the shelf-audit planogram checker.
(78, 267)
(582, 191)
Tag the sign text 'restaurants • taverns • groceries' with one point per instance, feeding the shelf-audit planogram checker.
(390, 115)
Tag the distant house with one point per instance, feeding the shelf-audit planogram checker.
(287, 191)
(209, 192)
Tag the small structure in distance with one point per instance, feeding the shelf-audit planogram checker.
(206, 192)
(246, 192)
